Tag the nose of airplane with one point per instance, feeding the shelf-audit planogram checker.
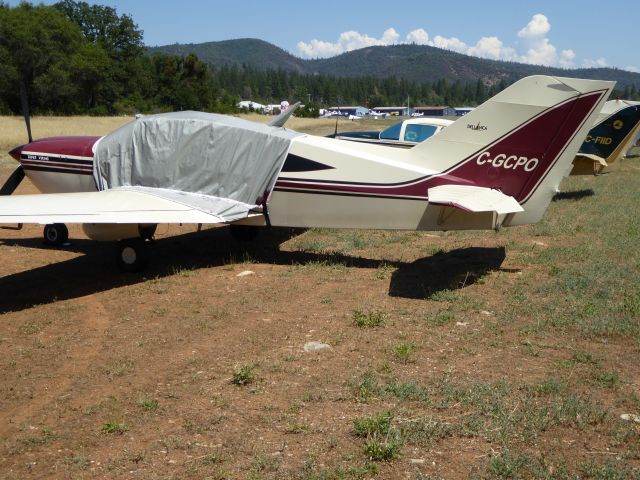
(15, 153)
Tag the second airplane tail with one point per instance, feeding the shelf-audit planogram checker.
(520, 143)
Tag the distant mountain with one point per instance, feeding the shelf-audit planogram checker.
(244, 51)
(417, 63)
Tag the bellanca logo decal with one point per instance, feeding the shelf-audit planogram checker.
(476, 127)
(510, 162)
(618, 124)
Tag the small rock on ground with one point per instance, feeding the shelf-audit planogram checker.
(316, 346)
(245, 273)
(630, 417)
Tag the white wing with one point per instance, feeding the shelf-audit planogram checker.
(474, 199)
(110, 206)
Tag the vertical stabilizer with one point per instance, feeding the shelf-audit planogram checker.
(520, 142)
(612, 137)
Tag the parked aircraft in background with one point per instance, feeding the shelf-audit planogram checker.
(190, 167)
(374, 114)
(617, 126)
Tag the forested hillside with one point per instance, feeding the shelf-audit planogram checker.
(74, 57)
(416, 63)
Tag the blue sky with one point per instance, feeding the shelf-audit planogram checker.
(567, 33)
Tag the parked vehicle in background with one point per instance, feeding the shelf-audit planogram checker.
(405, 133)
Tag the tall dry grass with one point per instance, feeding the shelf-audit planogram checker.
(13, 131)
(325, 126)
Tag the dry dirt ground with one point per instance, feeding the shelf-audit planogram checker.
(451, 355)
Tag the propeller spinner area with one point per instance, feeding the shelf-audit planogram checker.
(17, 176)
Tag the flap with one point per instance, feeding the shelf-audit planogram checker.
(473, 199)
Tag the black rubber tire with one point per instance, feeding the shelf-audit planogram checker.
(55, 234)
(244, 233)
(132, 255)
(148, 231)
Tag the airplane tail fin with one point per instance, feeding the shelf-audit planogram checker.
(519, 143)
(285, 115)
(611, 138)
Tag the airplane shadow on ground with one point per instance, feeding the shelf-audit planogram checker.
(96, 271)
(450, 270)
(573, 195)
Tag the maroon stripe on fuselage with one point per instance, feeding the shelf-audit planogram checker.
(543, 137)
(60, 163)
(41, 168)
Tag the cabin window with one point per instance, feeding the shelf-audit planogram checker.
(419, 133)
(392, 132)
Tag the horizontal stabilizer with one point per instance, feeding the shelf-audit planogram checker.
(591, 156)
(473, 199)
(588, 164)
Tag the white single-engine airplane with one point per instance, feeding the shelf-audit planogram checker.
(191, 167)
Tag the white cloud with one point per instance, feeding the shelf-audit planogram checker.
(566, 58)
(542, 53)
(492, 47)
(538, 27)
(451, 43)
(538, 49)
(597, 63)
(419, 36)
(533, 46)
(347, 41)
(633, 69)
(390, 36)
(353, 40)
(318, 48)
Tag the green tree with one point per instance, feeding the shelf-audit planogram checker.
(37, 46)
(118, 35)
(481, 92)
(121, 40)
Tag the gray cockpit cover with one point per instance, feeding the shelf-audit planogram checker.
(218, 164)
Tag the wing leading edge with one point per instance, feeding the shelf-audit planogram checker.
(121, 205)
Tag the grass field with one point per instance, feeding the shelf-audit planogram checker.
(483, 355)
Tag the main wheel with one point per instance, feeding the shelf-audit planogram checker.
(244, 233)
(56, 234)
(132, 255)
(147, 231)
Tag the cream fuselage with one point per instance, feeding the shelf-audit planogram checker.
(304, 194)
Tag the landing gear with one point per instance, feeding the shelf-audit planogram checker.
(244, 233)
(147, 231)
(56, 234)
(132, 255)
